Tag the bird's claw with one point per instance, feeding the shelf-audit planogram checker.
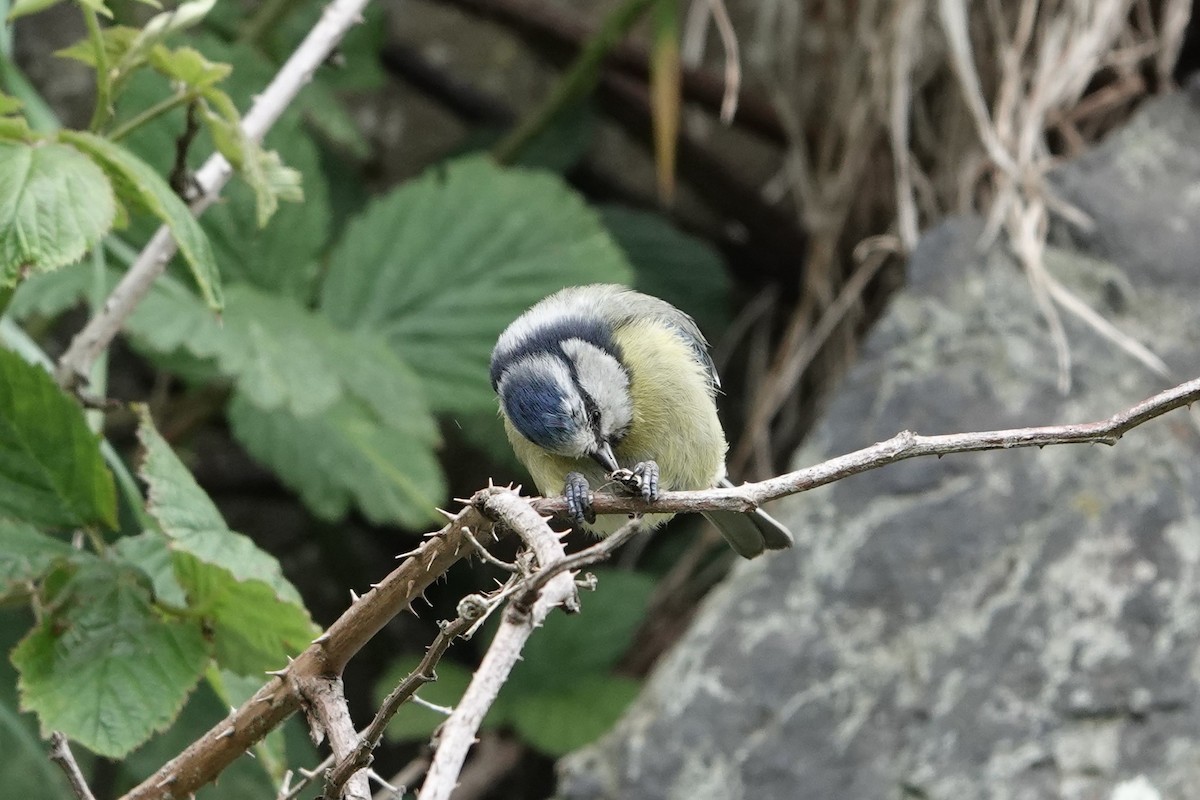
(642, 479)
(579, 498)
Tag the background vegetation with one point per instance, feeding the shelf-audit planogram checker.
(315, 359)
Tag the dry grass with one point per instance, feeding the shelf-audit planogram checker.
(900, 112)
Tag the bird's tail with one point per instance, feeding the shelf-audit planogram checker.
(752, 532)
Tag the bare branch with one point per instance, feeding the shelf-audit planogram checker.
(470, 609)
(60, 754)
(329, 715)
(458, 732)
(75, 364)
(900, 447)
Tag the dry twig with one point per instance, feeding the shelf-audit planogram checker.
(60, 754)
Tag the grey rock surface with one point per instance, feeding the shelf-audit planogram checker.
(1004, 625)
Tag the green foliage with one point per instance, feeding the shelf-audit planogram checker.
(55, 205)
(51, 470)
(662, 255)
(25, 555)
(107, 668)
(253, 613)
(561, 695)
(443, 264)
(139, 185)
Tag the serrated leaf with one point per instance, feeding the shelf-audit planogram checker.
(137, 182)
(106, 668)
(440, 266)
(557, 722)
(26, 554)
(344, 455)
(188, 65)
(55, 205)
(255, 615)
(681, 269)
(194, 524)
(21, 8)
(415, 723)
(252, 628)
(51, 470)
(151, 553)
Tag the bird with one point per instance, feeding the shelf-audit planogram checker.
(601, 384)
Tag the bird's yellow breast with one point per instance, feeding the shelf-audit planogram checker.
(674, 422)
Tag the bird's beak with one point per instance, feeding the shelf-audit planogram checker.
(605, 458)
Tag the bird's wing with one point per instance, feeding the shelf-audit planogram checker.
(631, 305)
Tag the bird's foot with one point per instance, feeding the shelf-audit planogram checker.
(642, 479)
(579, 498)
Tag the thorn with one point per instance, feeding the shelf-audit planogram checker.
(447, 514)
(322, 639)
(227, 733)
(410, 553)
(374, 585)
(465, 502)
(167, 781)
(547, 517)
(267, 701)
(491, 484)
(516, 487)
(432, 558)
(278, 673)
(353, 597)
(426, 599)
(409, 588)
(409, 608)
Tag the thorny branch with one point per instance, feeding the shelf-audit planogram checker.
(495, 511)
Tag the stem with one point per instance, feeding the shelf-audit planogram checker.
(576, 83)
(98, 380)
(103, 109)
(163, 106)
(266, 18)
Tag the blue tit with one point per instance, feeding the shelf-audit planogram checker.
(600, 384)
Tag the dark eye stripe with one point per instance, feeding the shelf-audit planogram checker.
(548, 339)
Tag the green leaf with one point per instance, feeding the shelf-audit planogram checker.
(189, 66)
(17, 128)
(233, 690)
(345, 455)
(106, 668)
(9, 104)
(571, 646)
(253, 627)
(99, 6)
(55, 205)
(681, 269)
(159, 27)
(440, 266)
(256, 616)
(151, 553)
(283, 256)
(414, 723)
(25, 772)
(117, 41)
(558, 722)
(51, 470)
(138, 183)
(26, 554)
(21, 8)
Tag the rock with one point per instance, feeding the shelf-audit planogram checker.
(1009, 625)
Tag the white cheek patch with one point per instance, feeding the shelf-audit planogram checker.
(606, 382)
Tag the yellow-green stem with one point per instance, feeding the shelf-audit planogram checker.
(157, 110)
(103, 110)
